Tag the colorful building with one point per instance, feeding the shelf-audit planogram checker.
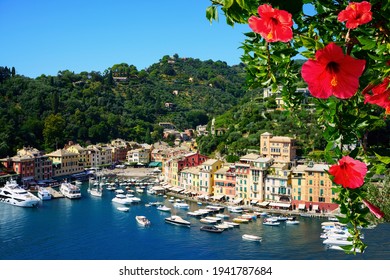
(278, 187)
(312, 188)
(225, 183)
(65, 163)
(43, 166)
(280, 148)
(206, 176)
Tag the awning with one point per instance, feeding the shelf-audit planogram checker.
(157, 188)
(238, 200)
(264, 203)
(301, 206)
(315, 207)
(278, 204)
(176, 189)
(218, 197)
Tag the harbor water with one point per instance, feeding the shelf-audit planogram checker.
(91, 228)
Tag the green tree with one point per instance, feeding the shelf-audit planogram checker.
(53, 131)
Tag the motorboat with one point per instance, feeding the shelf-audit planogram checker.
(139, 190)
(44, 194)
(223, 216)
(132, 198)
(14, 194)
(111, 187)
(240, 220)
(232, 224)
(121, 199)
(250, 237)
(235, 209)
(70, 190)
(195, 214)
(211, 229)
(292, 221)
(222, 226)
(216, 219)
(182, 205)
(207, 221)
(337, 241)
(142, 220)
(249, 217)
(164, 208)
(271, 222)
(177, 220)
(123, 209)
(281, 218)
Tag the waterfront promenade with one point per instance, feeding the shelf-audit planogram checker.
(144, 172)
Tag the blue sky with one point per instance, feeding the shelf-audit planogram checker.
(47, 36)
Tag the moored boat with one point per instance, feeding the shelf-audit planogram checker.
(44, 194)
(211, 229)
(271, 222)
(121, 199)
(164, 208)
(240, 220)
(182, 205)
(292, 221)
(251, 237)
(177, 220)
(14, 194)
(123, 209)
(70, 190)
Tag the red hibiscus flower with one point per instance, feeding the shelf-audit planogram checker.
(356, 14)
(349, 172)
(374, 210)
(273, 25)
(380, 96)
(332, 73)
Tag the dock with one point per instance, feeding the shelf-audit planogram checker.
(54, 193)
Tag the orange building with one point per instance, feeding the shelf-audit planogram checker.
(280, 148)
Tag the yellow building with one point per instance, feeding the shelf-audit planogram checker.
(189, 179)
(65, 163)
(206, 175)
(83, 154)
(312, 188)
(282, 149)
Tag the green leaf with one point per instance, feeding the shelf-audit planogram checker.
(385, 160)
(228, 3)
(212, 13)
(308, 42)
(368, 44)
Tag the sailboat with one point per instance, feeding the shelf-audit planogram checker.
(95, 190)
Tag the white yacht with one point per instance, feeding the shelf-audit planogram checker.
(13, 194)
(70, 191)
(121, 199)
(44, 194)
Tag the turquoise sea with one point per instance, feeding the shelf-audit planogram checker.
(91, 228)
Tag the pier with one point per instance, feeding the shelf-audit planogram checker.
(54, 193)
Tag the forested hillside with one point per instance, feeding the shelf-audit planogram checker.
(124, 102)
(48, 111)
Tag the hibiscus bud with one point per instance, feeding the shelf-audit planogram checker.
(373, 209)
